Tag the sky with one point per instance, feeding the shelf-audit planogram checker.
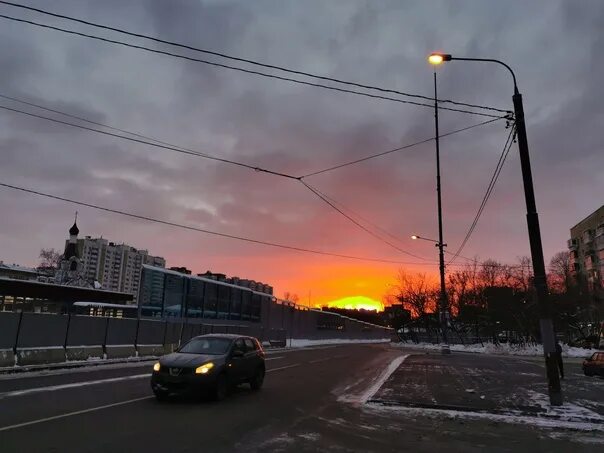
(553, 46)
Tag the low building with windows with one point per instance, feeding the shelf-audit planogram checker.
(17, 272)
(167, 293)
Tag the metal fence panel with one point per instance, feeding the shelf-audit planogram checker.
(150, 332)
(121, 331)
(86, 331)
(9, 323)
(42, 330)
(172, 332)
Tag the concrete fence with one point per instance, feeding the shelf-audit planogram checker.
(34, 338)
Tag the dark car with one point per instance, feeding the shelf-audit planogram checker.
(594, 365)
(209, 364)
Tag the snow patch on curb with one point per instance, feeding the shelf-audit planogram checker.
(301, 343)
(503, 348)
(538, 421)
(377, 383)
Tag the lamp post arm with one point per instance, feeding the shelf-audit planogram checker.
(490, 60)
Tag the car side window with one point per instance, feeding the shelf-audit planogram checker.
(249, 344)
(239, 345)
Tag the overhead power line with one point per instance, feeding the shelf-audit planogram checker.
(369, 222)
(201, 230)
(360, 225)
(146, 140)
(249, 71)
(167, 146)
(96, 123)
(357, 215)
(400, 148)
(246, 60)
(489, 191)
(215, 233)
(151, 143)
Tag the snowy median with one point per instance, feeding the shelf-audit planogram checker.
(300, 343)
(503, 348)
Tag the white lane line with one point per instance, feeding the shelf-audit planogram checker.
(283, 367)
(329, 358)
(101, 381)
(320, 360)
(106, 406)
(301, 349)
(69, 414)
(368, 394)
(71, 385)
(274, 358)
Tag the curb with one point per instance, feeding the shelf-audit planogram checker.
(69, 365)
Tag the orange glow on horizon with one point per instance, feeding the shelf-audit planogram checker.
(357, 303)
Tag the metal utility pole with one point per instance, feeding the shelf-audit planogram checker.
(532, 219)
(546, 325)
(441, 254)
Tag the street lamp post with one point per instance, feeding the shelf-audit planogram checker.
(443, 312)
(532, 218)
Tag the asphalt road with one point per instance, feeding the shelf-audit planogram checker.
(303, 407)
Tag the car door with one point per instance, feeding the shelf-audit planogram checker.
(237, 361)
(251, 358)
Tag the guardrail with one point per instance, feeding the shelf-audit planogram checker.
(34, 338)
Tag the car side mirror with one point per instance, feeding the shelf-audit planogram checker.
(238, 353)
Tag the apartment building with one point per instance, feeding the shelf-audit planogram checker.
(586, 245)
(104, 264)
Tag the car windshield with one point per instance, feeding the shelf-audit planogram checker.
(206, 346)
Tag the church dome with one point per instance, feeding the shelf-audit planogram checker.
(74, 230)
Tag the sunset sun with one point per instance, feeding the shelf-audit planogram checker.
(356, 303)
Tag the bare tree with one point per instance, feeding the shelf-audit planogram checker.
(291, 297)
(561, 277)
(416, 292)
(50, 259)
(491, 274)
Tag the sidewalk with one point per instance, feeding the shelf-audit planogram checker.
(489, 384)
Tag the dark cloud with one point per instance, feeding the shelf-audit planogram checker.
(297, 129)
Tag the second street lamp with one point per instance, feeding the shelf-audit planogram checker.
(545, 322)
(443, 309)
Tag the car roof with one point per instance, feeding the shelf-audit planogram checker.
(228, 336)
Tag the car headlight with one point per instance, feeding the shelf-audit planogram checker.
(205, 368)
(156, 367)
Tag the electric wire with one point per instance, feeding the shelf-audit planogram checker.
(151, 143)
(360, 225)
(201, 230)
(246, 60)
(400, 148)
(489, 191)
(249, 71)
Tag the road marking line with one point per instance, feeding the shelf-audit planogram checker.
(274, 358)
(283, 367)
(320, 360)
(70, 414)
(392, 367)
(71, 385)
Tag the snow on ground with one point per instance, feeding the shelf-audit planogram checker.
(300, 343)
(573, 423)
(568, 411)
(503, 348)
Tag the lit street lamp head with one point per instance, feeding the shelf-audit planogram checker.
(437, 58)
(414, 237)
